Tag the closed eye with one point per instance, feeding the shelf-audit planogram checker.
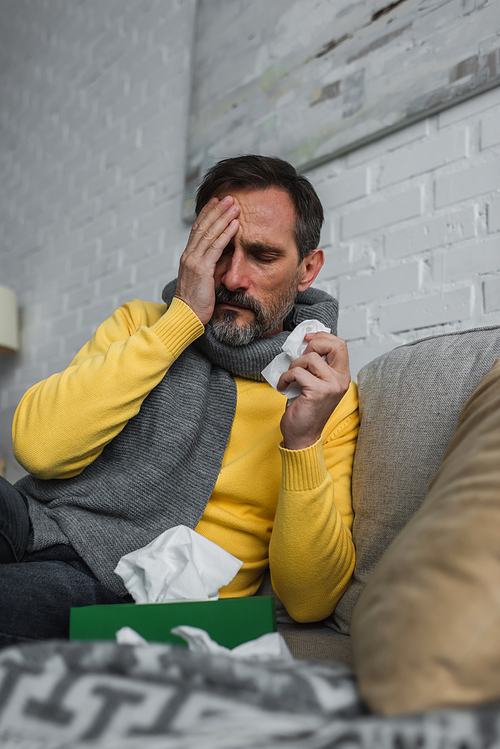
(264, 252)
(265, 258)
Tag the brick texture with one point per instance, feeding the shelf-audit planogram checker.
(424, 156)
(471, 259)
(435, 309)
(382, 284)
(93, 130)
(494, 215)
(491, 292)
(391, 209)
(470, 182)
(490, 131)
(92, 140)
(442, 230)
(353, 324)
(419, 253)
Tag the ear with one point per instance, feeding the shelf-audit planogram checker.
(310, 267)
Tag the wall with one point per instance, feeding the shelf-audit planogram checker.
(92, 145)
(94, 105)
(310, 80)
(413, 232)
(92, 148)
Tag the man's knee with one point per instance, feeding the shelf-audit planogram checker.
(37, 597)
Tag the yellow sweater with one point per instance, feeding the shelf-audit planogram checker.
(287, 509)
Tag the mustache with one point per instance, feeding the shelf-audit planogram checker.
(243, 300)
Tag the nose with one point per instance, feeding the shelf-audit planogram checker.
(235, 272)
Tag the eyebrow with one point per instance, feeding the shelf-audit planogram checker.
(256, 246)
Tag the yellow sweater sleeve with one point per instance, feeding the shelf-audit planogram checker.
(311, 553)
(62, 424)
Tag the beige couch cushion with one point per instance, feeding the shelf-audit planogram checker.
(410, 401)
(426, 630)
(307, 641)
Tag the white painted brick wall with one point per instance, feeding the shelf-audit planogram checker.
(421, 157)
(345, 189)
(491, 292)
(391, 208)
(494, 215)
(470, 182)
(354, 324)
(418, 252)
(472, 258)
(92, 140)
(445, 229)
(381, 284)
(490, 131)
(423, 312)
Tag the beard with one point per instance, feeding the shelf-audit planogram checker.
(227, 330)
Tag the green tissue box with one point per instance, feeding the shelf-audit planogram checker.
(228, 621)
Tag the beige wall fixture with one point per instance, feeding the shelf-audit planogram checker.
(9, 328)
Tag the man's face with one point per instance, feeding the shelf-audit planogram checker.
(258, 274)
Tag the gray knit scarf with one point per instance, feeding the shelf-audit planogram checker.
(160, 470)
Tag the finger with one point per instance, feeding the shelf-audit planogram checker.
(209, 207)
(212, 212)
(299, 375)
(216, 248)
(320, 342)
(333, 340)
(203, 214)
(215, 223)
(315, 364)
(206, 209)
(209, 235)
(332, 348)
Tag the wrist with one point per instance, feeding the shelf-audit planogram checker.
(303, 470)
(200, 314)
(178, 327)
(300, 443)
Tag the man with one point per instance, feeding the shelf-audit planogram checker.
(164, 418)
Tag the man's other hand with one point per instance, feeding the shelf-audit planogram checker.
(212, 231)
(323, 374)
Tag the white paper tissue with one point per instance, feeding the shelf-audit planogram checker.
(270, 645)
(179, 565)
(266, 647)
(129, 636)
(293, 347)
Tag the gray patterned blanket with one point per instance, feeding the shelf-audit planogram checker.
(60, 695)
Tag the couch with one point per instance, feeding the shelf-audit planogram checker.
(411, 401)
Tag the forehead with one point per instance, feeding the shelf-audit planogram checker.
(266, 216)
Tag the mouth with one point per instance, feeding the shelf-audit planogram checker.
(235, 302)
(231, 306)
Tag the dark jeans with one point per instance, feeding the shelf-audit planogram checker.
(38, 589)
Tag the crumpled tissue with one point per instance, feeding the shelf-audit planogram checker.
(263, 648)
(129, 636)
(270, 645)
(179, 565)
(293, 347)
